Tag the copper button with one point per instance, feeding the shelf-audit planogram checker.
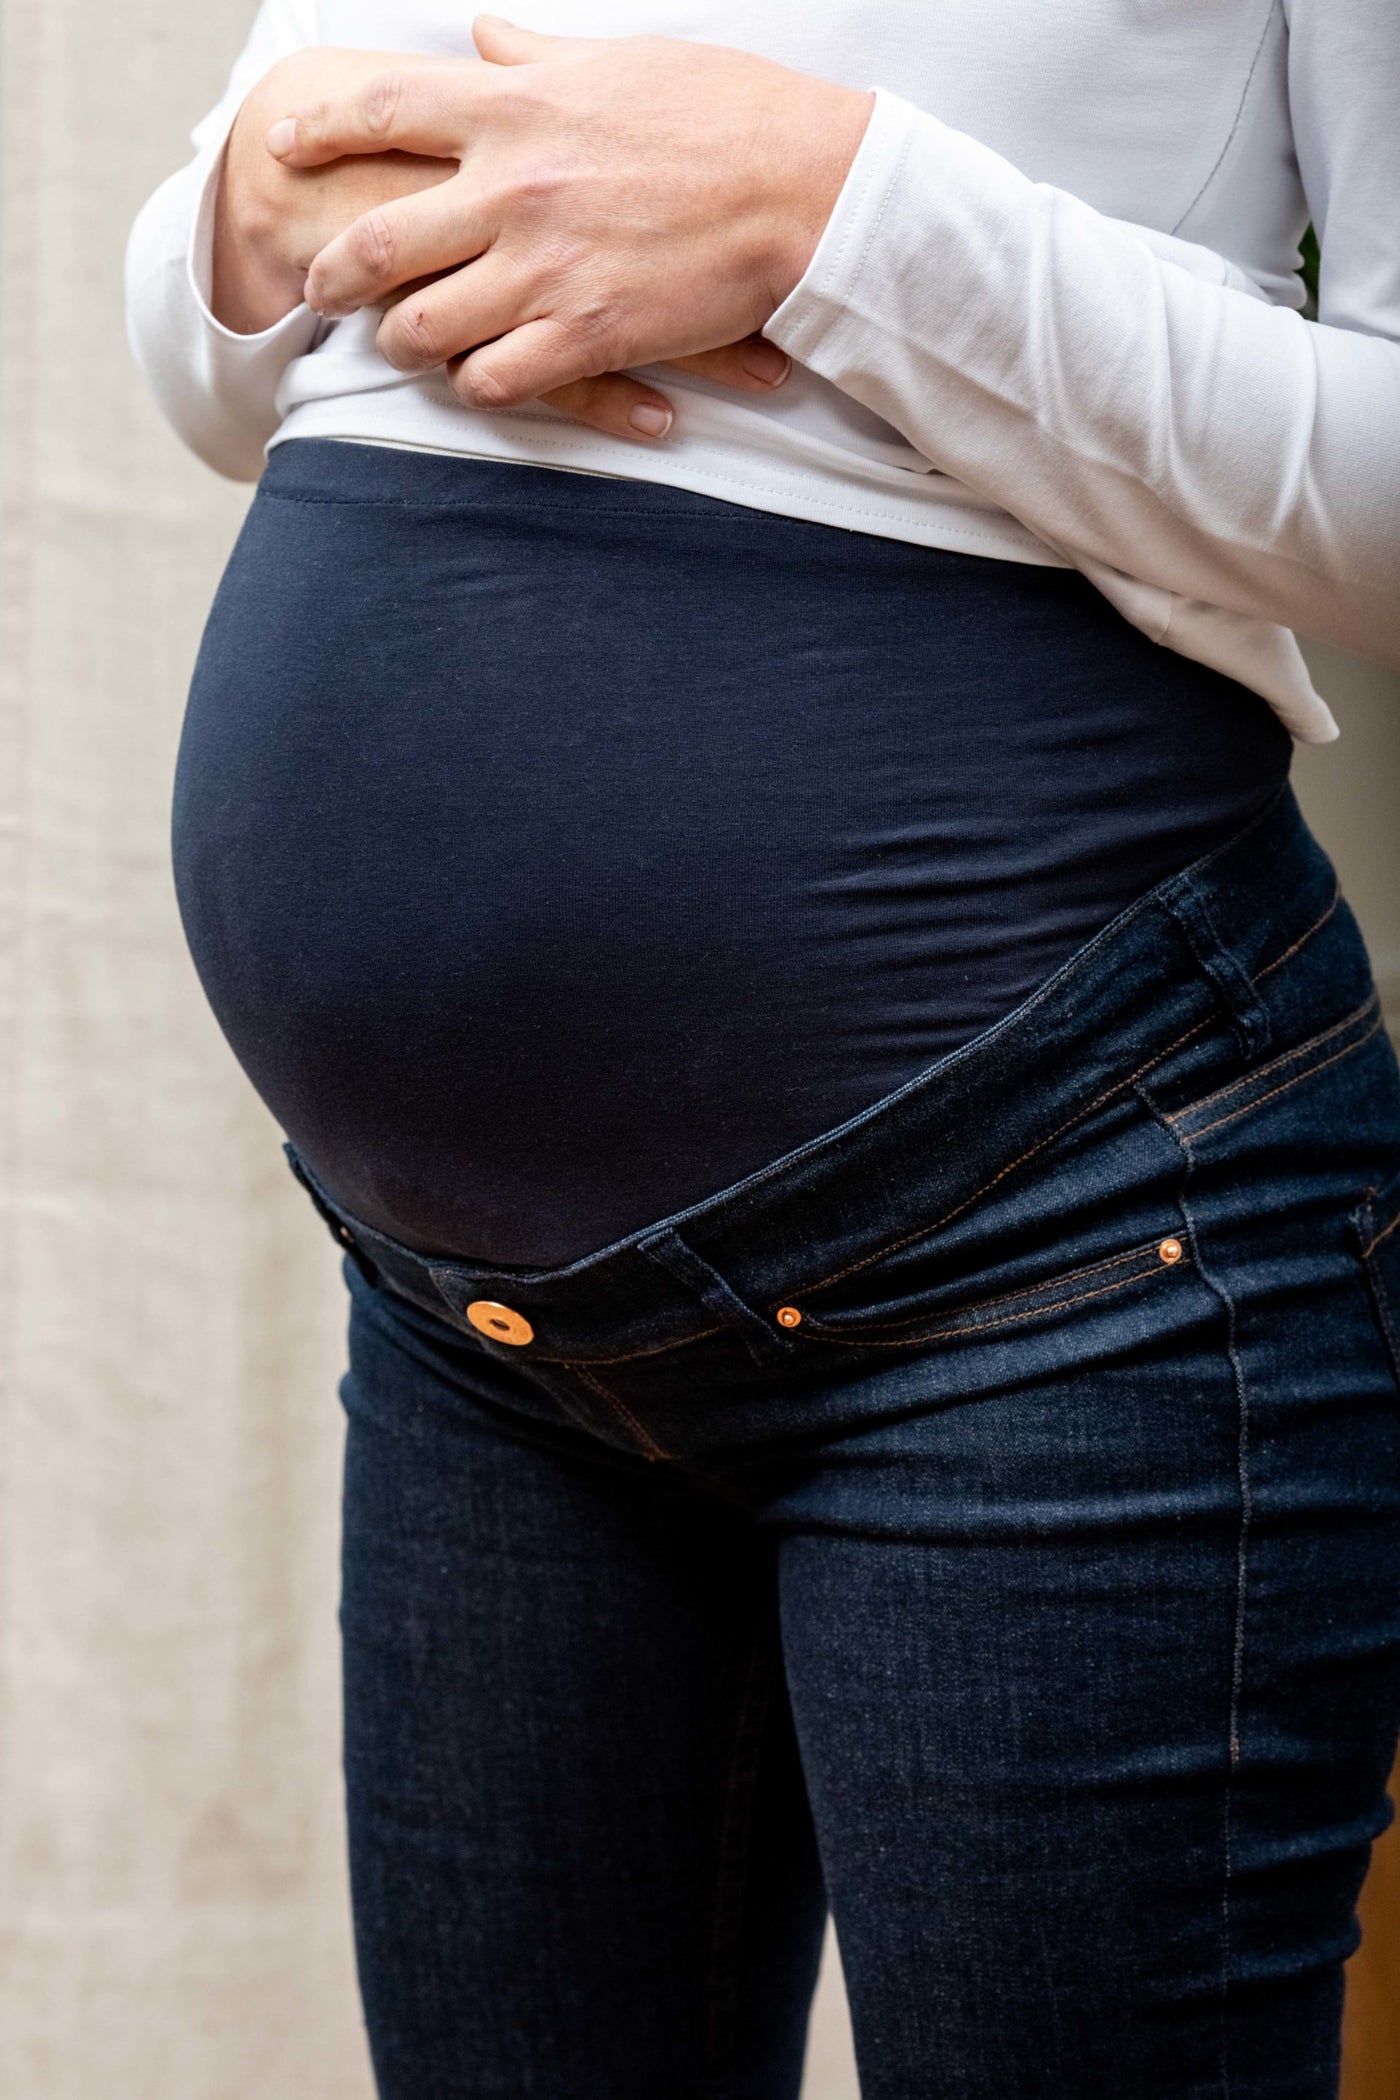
(1170, 1251)
(788, 1316)
(500, 1322)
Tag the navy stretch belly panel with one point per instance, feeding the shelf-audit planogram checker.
(556, 850)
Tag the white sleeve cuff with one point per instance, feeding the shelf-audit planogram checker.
(820, 296)
(216, 388)
(199, 269)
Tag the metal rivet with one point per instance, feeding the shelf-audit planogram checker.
(1170, 1251)
(788, 1316)
(500, 1322)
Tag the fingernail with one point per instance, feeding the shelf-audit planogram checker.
(282, 137)
(653, 422)
(767, 362)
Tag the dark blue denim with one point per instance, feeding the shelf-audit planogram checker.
(1034, 1599)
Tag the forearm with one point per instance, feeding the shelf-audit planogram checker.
(1217, 447)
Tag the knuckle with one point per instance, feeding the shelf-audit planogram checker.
(381, 104)
(593, 337)
(313, 125)
(527, 100)
(374, 246)
(538, 185)
(484, 389)
(416, 335)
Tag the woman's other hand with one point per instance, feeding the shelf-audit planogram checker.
(271, 221)
(620, 202)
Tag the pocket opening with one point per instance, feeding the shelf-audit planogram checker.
(1007, 1309)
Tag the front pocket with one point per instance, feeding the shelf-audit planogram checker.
(1007, 1310)
(1377, 1226)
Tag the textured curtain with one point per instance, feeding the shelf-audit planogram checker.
(173, 1920)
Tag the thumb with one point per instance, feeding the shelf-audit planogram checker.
(503, 44)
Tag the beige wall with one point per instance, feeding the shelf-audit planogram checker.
(172, 1912)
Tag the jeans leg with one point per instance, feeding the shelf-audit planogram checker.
(1096, 1707)
(581, 1854)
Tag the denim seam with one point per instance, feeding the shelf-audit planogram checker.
(1030, 1290)
(1310, 1072)
(1243, 1453)
(1302, 940)
(735, 1832)
(650, 1448)
(893, 1246)
(861, 1337)
(1384, 1235)
(1252, 1079)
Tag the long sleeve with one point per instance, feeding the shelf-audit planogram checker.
(216, 388)
(1156, 428)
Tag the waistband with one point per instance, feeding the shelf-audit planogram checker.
(576, 500)
(1211, 943)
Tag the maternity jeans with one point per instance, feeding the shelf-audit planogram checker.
(982, 1521)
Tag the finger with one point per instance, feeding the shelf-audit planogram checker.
(411, 105)
(530, 359)
(505, 44)
(623, 407)
(755, 366)
(394, 243)
(454, 315)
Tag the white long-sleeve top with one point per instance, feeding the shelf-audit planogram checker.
(1054, 316)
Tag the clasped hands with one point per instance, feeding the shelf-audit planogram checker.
(541, 222)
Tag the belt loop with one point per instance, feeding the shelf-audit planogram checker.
(668, 1250)
(1232, 982)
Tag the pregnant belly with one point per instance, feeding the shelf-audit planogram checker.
(554, 850)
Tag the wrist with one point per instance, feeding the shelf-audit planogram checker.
(250, 290)
(833, 123)
(252, 285)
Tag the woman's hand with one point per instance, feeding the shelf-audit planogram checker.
(272, 220)
(618, 202)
